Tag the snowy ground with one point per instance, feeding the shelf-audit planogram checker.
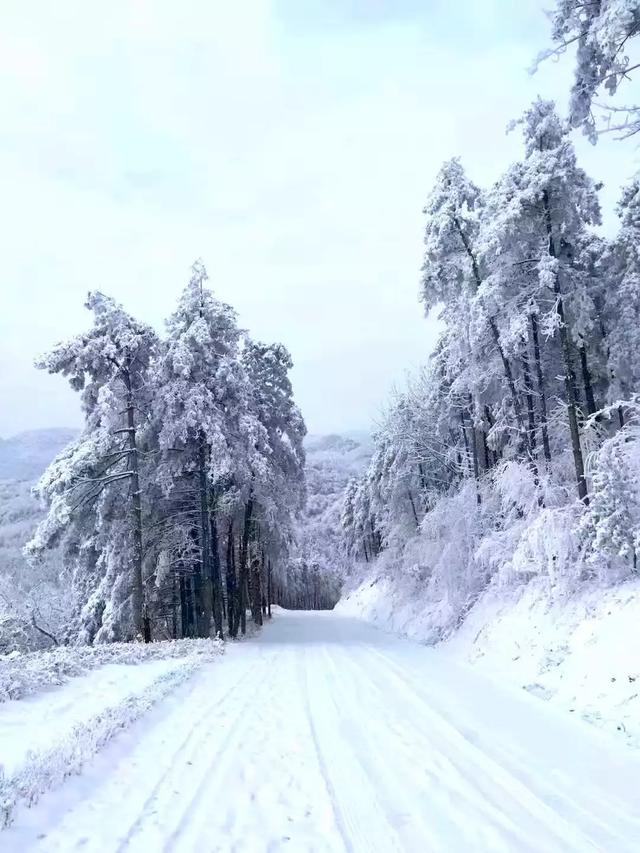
(325, 734)
(579, 651)
(74, 700)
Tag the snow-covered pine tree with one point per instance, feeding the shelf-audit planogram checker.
(276, 489)
(94, 488)
(537, 219)
(602, 33)
(200, 393)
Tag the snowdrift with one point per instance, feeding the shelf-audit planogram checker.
(98, 692)
(580, 650)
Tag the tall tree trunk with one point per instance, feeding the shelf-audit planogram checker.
(542, 394)
(413, 508)
(474, 448)
(569, 376)
(423, 483)
(231, 583)
(531, 423)
(192, 604)
(196, 586)
(256, 591)
(490, 420)
(216, 574)
(137, 591)
(184, 614)
(244, 560)
(263, 569)
(174, 607)
(471, 451)
(531, 417)
(269, 591)
(245, 598)
(206, 591)
(486, 462)
(506, 364)
(586, 381)
(465, 438)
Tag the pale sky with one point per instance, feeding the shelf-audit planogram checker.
(289, 143)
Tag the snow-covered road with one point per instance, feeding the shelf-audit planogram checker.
(324, 734)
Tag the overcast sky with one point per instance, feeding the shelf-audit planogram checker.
(289, 143)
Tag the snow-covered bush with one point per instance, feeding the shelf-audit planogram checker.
(611, 525)
(24, 674)
(39, 769)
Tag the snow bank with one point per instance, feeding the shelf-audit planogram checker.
(24, 674)
(49, 736)
(580, 651)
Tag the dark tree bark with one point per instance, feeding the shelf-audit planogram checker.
(424, 485)
(531, 417)
(490, 420)
(244, 564)
(137, 591)
(174, 607)
(465, 438)
(192, 600)
(506, 364)
(231, 583)
(206, 572)
(255, 591)
(569, 375)
(586, 381)
(413, 508)
(185, 628)
(216, 575)
(542, 394)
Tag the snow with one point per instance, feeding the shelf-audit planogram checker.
(22, 674)
(47, 736)
(580, 651)
(323, 733)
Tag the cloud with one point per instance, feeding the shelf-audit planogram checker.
(291, 145)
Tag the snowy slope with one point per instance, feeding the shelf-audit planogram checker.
(580, 651)
(361, 742)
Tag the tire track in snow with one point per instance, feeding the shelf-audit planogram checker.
(217, 763)
(479, 767)
(435, 780)
(303, 681)
(593, 804)
(360, 813)
(415, 828)
(192, 742)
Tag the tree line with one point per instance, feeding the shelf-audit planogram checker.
(516, 449)
(174, 509)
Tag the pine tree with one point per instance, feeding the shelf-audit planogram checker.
(94, 488)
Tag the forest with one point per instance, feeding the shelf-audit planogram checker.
(220, 631)
(514, 453)
(187, 499)
(191, 456)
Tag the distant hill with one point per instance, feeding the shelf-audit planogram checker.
(332, 460)
(26, 455)
(348, 452)
(27, 590)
